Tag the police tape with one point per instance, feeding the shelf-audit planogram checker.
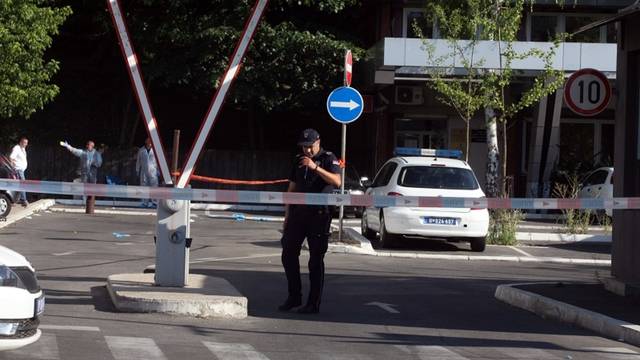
(279, 198)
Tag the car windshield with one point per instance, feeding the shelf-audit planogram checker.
(437, 177)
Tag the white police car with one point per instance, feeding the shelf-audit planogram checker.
(21, 301)
(426, 172)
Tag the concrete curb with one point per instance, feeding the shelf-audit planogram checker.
(107, 212)
(19, 214)
(563, 238)
(205, 296)
(552, 309)
(366, 248)
(194, 206)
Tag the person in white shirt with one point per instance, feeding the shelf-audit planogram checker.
(19, 161)
(147, 169)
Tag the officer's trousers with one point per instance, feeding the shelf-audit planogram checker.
(312, 223)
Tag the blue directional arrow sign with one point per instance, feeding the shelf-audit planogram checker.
(345, 104)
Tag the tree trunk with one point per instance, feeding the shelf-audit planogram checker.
(504, 159)
(493, 153)
(468, 142)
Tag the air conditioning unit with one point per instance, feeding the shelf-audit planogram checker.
(409, 95)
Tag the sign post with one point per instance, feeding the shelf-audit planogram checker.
(587, 92)
(345, 105)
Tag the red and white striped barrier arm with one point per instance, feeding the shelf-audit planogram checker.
(269, 197)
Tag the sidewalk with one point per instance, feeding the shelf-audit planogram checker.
(549, 231)
(589, 306)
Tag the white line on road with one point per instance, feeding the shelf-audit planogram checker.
(63, 253)
(431, 352)
(44, 349)
(69, 327)
(231, 351)
(386, 307)
(520, 251)
(213, 259)
(127, 348)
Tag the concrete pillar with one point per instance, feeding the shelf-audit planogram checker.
(626, 247)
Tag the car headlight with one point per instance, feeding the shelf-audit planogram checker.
(10, 278)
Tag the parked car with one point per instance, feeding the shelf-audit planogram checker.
(6, 197)
(598, 184)
(21, 301)
(426, 172)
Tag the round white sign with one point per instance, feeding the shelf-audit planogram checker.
(587, 92)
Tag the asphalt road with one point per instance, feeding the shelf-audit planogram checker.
(374, 307)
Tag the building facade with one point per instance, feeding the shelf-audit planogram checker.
(546, 140)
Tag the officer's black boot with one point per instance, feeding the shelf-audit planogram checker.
(290, 303)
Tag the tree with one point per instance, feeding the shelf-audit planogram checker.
(298, 48)
(27, 28)
(464, 23)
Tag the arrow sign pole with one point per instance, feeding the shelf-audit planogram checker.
(386, 307)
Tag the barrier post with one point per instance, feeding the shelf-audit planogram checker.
(175, 155)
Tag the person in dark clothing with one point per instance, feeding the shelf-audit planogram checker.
(314, 171)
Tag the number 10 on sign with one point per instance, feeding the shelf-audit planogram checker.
(587, 92)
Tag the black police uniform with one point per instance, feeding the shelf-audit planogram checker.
(312, 222)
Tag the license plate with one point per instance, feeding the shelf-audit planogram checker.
(39, 305)
(440, 221)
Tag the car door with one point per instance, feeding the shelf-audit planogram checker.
(378, 187)
(593, 186)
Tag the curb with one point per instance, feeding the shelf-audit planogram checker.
(20, 214)
(100, 211)
(366, 248)
(548, 308)
(565, 238)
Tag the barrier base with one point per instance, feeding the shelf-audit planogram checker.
(204, 296)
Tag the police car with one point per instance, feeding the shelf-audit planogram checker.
(21, 301)
(426, 172)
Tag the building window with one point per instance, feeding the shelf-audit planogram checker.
(543, 28)
(416, 18)
(573, 23)
(421, 133)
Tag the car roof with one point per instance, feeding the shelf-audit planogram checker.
(428, 161)
(9, 257)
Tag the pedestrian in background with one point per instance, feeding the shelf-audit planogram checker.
(19, 161)
(90, 161)
(314, 171)
(147, 169)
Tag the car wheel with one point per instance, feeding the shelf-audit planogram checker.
(386, 239)
(364, 228)
(5, 206)
(478, 244)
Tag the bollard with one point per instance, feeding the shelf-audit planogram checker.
(90, 205)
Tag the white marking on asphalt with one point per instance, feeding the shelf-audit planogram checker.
(386, 307)
(613, 353)
(232, 351)
(524, 353)
(69, 327)
(44, 349)
(431, 352)
(64, 253)
(212, 259)
(126, 348)
(124, 243)
(520, 251)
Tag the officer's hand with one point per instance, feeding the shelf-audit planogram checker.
(306, 161)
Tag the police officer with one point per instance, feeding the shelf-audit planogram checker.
(314, 171)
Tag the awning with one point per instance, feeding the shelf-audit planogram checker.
(630, 10)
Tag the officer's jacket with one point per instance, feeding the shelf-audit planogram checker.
(307, 180)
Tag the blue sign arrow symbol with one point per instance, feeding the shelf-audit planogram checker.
(345, 104)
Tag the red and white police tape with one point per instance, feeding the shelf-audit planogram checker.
(271, 197)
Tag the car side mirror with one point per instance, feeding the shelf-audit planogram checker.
(365, 182)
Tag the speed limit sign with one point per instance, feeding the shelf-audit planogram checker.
(587, 92)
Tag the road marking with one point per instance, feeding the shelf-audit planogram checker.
(524, 353)
(64, 253)
(520, 251)
(44, 349)
(386, 307)
(431, 352)
(231, 351)
(126, 348)
(70, 327)
(212, 259)
(613, 353)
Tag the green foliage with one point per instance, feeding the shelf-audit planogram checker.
(576, 221)
(295, 57)
(26, 30)
(503, 225)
